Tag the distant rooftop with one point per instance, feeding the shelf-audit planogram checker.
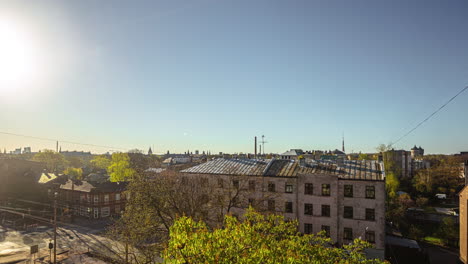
(293, 152)
(356, 170)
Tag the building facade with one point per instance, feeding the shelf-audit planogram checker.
(463, 203)
(93, 200)
(346, 200)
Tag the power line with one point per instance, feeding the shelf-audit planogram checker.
(62, 141)
(430, 116)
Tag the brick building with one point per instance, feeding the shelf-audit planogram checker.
(344, 198)
(92, 199)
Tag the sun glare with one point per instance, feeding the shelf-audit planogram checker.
(18, 68)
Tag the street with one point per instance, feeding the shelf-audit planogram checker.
(71, 241)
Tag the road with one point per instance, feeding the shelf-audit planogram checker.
(72, 240)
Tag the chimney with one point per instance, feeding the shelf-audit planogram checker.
(255, 147)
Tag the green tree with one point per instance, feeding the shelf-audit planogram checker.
(449, 231)
(100, 162)
(256, 239)
(75, 162)
(74, 173)
(391, 185)
(54, 161)
(119, 168)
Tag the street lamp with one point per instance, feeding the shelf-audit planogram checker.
(55, 223)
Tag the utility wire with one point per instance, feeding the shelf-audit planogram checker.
(62, 141)
(429, 117)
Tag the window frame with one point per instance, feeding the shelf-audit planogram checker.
(368, 210)
(308, 209)
(271, 205)
(348, 191)
(326, 189)
(271, 187)
(288, 207)
(348, 212)
(308, 189)
(370, 192)
(327, 230)
(368, 235)
(347, 233)
(308, 228)
(326, 208)
(290, 189)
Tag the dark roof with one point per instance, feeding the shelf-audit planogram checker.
(85, 186)
(353, 170)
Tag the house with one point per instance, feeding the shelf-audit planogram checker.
(292, 154)
(345, 199)
(92, 199)
(18, 178)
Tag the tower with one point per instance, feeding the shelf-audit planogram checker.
(342, 146)
(255, 147)
(150, 152)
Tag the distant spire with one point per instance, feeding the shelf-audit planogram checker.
(60, 150)
(150, 152)
(342, 147)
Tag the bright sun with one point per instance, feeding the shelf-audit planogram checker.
(18, 65)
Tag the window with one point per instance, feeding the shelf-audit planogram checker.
(370, 236)
(348, 233)
(235, 183)
(325, 189)
(96, 212)
(348, 191)
(308, 228)
(370, 192)
(251, 185)
(308, 209)
(327, 230)
(106, 198)
(271, 205)
(105, 211)
(288, 188)
(220, 183)
(117, 196)
(271, 187)
(288, 208)
(370, 214)
(96, 198)
(325, 210)
(348, 212)
(309, 189)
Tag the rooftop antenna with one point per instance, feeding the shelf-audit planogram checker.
(263, 144)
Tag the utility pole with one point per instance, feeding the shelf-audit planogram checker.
(55, 227)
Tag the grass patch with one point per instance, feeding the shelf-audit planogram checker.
(434, 240)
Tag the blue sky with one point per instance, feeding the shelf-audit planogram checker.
(210, 75)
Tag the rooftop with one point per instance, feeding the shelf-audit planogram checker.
(355, 170)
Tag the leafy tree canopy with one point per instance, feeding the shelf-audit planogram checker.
(101, 162)
(257, 239)
(54, 161)
(119, 168)
(74, 173)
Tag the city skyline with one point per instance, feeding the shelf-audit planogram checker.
(208, 75)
